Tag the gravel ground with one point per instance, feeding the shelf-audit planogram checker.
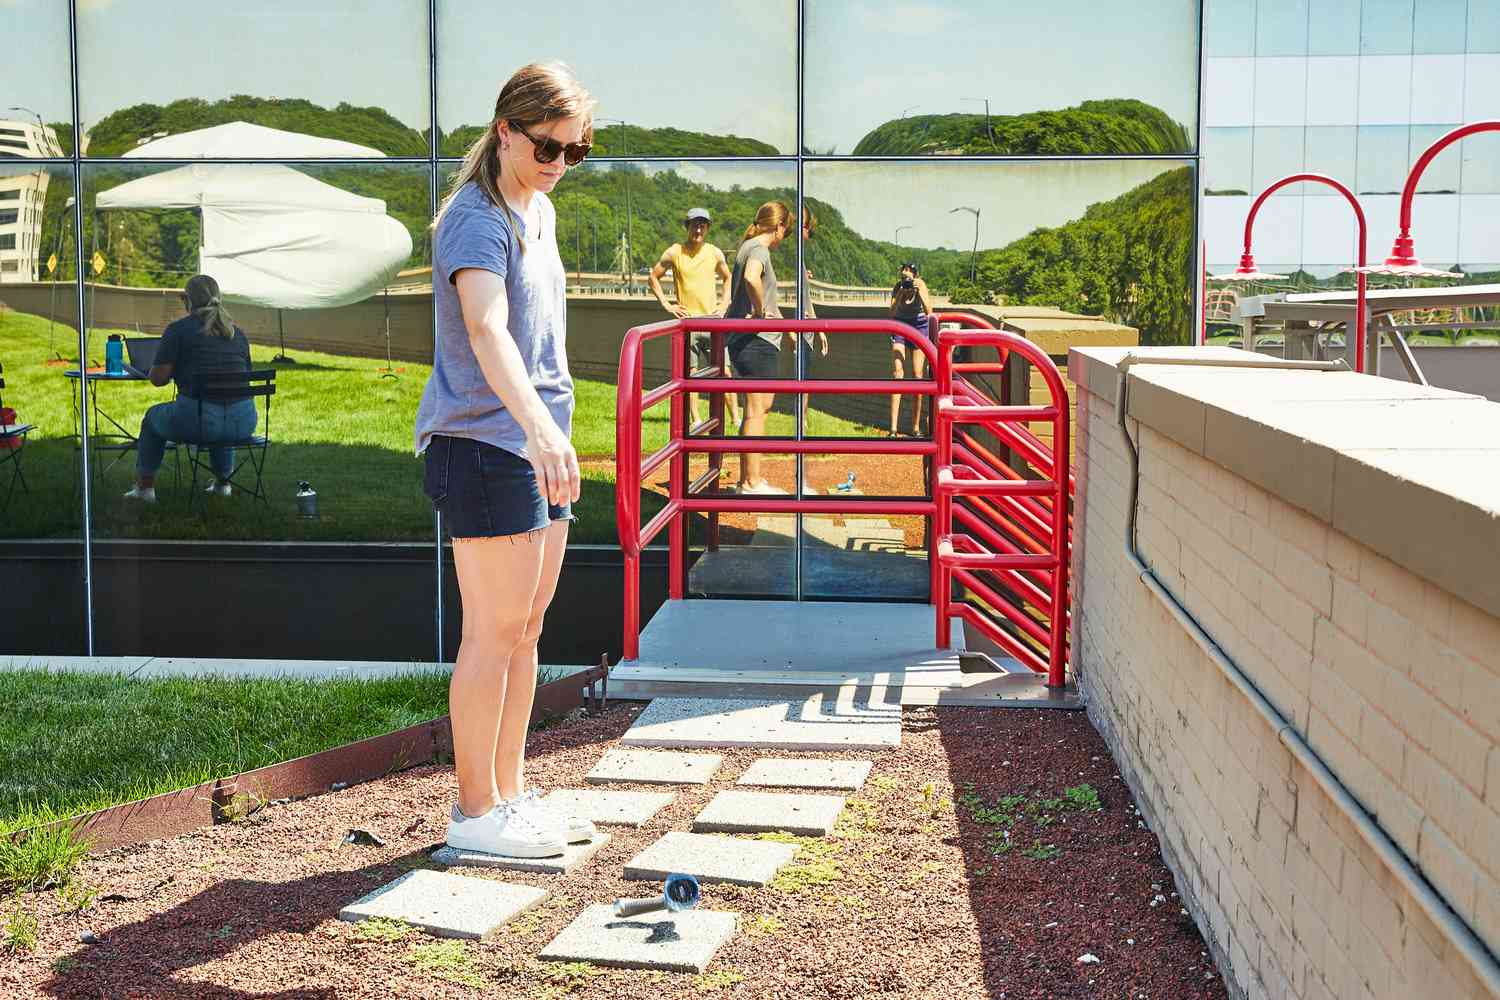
(910, 898)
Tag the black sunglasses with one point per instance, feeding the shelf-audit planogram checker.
(548, 150)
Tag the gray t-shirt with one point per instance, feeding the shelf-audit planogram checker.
(458, 401)
(740, 304)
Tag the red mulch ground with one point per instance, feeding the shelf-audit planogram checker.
(918, 906)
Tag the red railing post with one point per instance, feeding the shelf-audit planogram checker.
(677, 476)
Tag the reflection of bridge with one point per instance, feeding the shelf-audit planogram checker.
(606, 284)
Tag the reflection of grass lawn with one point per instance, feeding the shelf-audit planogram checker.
(334, 422)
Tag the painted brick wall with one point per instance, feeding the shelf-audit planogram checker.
(1393, 681)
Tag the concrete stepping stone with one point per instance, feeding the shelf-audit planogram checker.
(644, 767)
(610, 807)
(766, 812)
(446, 905)
(813, 724)
(672, 942)
(774, 772)
(711, 859)
(571, 857)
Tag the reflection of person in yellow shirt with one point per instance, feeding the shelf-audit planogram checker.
(695, 266)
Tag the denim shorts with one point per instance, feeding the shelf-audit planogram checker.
(754, 357)
(917, 323)
(484, 491)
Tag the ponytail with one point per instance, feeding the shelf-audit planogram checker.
(768, 217)
(205, 303)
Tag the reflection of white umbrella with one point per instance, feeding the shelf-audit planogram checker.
(274, 236)
(244, 140)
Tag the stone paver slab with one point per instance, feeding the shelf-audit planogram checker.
(446, 905)
(766, 812)
(611, 807)
(711, 859)
(775, 772)
(573, 856)
(646, 767)
(674, 942)
(813, 724)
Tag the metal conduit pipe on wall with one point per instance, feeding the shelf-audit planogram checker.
(1453, 928)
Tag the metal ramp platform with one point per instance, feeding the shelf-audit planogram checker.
(771, 649)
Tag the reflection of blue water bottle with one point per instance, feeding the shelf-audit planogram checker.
(114, 355)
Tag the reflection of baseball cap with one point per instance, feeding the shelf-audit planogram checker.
(696, 213)
(912, 267)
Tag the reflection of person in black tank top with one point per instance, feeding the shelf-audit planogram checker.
(911, 303)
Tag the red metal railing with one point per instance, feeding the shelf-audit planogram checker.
(1001, 508)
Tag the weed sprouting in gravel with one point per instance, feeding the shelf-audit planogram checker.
(76, 895)
(20, 928)
(447, 960)
(719, 979)
(1041, 851)
(563, 978)
(1084, 798)
(382, 929)
(764, 925)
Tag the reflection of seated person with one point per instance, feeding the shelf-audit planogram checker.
(695, 265)
(204, 341)
(911, 303)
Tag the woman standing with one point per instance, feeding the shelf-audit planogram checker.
(494, 424)
(911, 303)
(757, 355)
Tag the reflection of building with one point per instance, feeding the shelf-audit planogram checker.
(28, 140)
(1355, 90)
(21, 199)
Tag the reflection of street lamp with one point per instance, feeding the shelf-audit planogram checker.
(1247, 271)
(898, 234)
(973, 257)
(912, 108)
(629, 247)
(41, 129)
(988, 128)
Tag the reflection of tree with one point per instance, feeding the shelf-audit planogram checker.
(117, 133)
(1112, 126)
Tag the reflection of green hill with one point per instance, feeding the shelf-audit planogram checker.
(118, 133)
(1114, 126)
(633, 140)
(1127, 259)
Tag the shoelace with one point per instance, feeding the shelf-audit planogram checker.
(514, 812)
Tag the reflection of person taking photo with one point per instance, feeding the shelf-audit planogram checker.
(757, 355)
(695, 265)
(911, 303)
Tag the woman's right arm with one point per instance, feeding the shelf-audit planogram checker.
(481, 295)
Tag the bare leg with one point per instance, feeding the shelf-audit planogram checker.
(498, 580)
(520, 683)
(918, 370)
(757, 405)
(898, 370)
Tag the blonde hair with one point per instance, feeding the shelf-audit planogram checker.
(206, 306)
(535, 93)
(768, 217)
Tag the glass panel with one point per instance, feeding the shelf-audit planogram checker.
(1281, 28)
(1278, 152)
(40, 500)
(1333, 89)
(1228, 28)
(1333, 27)
(1440, 25)
(36, 119)
(347, 79)
(1089, 96)
(1481, 163)
(1386, 27)
(1330, 151)
(1437, 90)
(663, 94)
(1484, 26)
(1382, 158)
(1226, 160)
(335, 301)
(1281, 91)
(1442, 174)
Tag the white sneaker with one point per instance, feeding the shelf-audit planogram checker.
(506, 830)
(148, 495)
(575, 829)
(763, 489)
(217, 488)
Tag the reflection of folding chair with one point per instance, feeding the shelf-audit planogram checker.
(228, 387)
(12, 441)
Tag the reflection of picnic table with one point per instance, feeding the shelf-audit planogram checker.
(106, 434)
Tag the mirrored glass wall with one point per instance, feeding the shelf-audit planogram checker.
(1042, 185)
